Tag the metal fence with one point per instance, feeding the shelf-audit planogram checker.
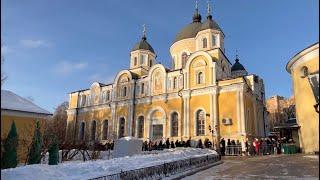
(233, 150)
(163, 170)
(237, 150)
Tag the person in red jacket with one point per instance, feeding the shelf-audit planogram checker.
(256, 145)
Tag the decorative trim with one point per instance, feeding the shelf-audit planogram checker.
(232, 87)
(303, 56)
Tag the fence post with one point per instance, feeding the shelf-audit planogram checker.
(121, 174)
(165, 169)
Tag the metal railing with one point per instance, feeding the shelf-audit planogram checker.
(233, 150)
(163, 170)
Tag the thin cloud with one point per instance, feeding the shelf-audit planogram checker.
(66, 67)
(5, 49)
(29, 43)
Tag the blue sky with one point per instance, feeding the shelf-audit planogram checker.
(54, 47)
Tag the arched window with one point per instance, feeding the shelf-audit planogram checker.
(204, 43)
(174, 82)
(304, 71)
(174, 124)
(140, 126)
(214, 40)
(142, 88)
(81, 132)
(105, 130)
(135, 61)
(200, 117)
(83, 100)
(200, 78)
(108, 95)
(142, 59)
(93, 130)
(150, 62)
(103, 97)
(122, 122)
(184, 58)
(124, 91)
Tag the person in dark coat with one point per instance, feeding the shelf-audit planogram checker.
(200, 145)
(155, 146)
(172, 144)
(247, 147)
(145, 146)
(167, 143)
(183, 144)
(112, 144)
(229, 146)
(206, 143)
(188, 143)
(150, 146)
(177, 143)
(223, 147)
(209, 144)
(160, 146)
(269, 146)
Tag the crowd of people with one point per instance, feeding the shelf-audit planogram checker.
(262, 146)
(159, 145)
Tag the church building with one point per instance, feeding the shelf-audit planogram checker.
(203, 95)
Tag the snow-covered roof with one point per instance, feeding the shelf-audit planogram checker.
(12, 101)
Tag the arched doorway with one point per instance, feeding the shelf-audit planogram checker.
(157, 124)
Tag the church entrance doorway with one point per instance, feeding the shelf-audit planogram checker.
(157, 131)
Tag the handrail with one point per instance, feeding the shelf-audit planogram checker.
(163, 170)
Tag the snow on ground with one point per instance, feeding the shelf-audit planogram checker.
(312, 156)
(91, 169)
(78, 157)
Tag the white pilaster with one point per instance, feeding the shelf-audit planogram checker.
(114, 120)
(242, 112)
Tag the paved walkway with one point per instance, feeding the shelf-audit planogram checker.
(298, 166)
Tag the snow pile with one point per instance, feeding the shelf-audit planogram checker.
(312, 156)
(127, 146)
(91, 169)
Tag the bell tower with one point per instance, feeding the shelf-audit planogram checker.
(142, 56)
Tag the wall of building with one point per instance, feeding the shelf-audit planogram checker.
(307, 117)
(25, 129)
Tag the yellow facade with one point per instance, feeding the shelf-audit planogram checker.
(199, 92)
(303, 67)
(25, 125)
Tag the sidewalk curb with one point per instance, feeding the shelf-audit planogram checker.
(194, 171)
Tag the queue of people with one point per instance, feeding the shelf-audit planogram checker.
(160, 145)
(262, 146)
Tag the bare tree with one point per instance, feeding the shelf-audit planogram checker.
(57, 125)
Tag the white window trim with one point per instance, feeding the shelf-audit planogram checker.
(195, 121)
